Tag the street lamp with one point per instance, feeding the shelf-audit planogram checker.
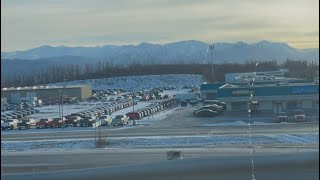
(211, 48)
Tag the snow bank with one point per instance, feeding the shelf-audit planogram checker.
(161, 142)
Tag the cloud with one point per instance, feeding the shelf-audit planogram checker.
(26, 24)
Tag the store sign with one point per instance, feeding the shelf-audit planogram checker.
(242, 92)
(305, 90)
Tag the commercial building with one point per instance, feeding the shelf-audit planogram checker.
(264, 92)
(267, 75)
(15, 95)
(273, 98)
(209, 91)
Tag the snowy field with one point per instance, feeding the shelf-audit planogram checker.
(131, 83)
(242, 123)
(161, 142)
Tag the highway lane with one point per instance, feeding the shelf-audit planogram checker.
(232, 166)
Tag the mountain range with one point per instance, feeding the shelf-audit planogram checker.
(190, 51)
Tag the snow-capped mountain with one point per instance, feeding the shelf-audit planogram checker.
(178, 52)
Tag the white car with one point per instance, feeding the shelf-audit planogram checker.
(13, 123)
(299, 115)
(105, 119)
(120, 120)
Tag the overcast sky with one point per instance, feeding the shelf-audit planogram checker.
(27, 24)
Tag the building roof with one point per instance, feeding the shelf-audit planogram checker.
(269, 90)
(266, 85)
(212, 86)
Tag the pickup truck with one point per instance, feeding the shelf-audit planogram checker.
(120, 120)
(26, 123)
(56, 122)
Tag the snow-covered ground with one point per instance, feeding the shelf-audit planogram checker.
(241, 123)
(162, 142)
(131, 83)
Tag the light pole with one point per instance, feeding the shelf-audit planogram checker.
(59, 91)
(211, 48)
(134, 116)
(62, 102)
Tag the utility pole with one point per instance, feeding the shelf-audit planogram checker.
(59, 102)
(62, 101)
(61, 106)
(134, 117)
(211, 47)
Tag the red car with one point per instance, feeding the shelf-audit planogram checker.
(56, 122)
(43, 123)
(133, 115)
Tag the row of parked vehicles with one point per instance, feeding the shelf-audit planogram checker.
(165, 104)
(211, 108)
(11, 120)
(298, 116)
(99, 116)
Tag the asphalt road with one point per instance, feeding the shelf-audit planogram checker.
(263, 167)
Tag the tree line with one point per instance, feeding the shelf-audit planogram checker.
(211, 72)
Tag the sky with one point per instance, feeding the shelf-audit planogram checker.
(33, 23)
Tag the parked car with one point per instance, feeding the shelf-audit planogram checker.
(5, 125)
(56, 122)
(87, 121)
(43, 123)
(133, 115)
(207, 113)
(299, 115)
(73, 121)
(13, 123)
(210, 107)
(17, 114)
(105, 120)
(219, 103)
(120, 120)
(282, 117)
(26, 123)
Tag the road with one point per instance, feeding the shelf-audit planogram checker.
(232, 166)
